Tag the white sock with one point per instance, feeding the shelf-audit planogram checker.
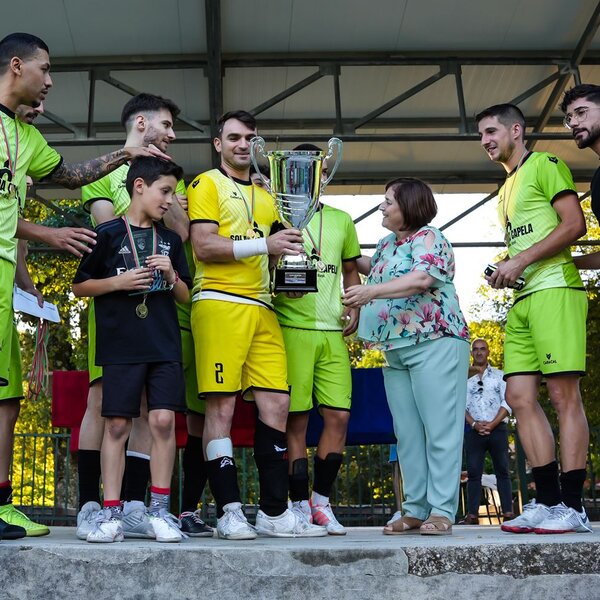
(318, 500)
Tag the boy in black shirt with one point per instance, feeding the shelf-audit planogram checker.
(136, 271)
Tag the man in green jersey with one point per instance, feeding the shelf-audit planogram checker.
(581, 105)
(545, 330)
(313, 328)
(25, 79)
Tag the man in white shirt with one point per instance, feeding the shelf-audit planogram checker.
(486, 414)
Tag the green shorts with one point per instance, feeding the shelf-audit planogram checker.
(95, 372)
(7, 277)
(546, 333)
(194, 404)
(14, 389)
(318, 369)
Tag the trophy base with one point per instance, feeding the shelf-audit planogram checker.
(295, 280)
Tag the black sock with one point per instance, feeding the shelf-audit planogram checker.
(571, 487)
(222, 478)
(325, 473)
(299, 480)
(194, 474)
(6, 494)
(136, 477)
(89, 473)
(271, 457)
(547, 487)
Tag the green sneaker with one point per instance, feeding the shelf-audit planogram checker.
(13, 516)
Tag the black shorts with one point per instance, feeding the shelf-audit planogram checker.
(122, 387)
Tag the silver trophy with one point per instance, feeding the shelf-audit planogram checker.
(296, 184)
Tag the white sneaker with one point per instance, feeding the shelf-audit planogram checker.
(533, 514)
(323, 515)
(233, 525)
(302, 507)
(86, 518)
(395, 517)
(136, 520)
(563, 519)
(288, 524)
(166, 527)
(106, 528)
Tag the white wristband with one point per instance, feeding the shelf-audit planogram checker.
(246, 248)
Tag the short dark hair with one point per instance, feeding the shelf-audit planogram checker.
(308, 148)
(144, 103)
(416, 201)
(239, 115)
(261, 169)
(507, 114)
(23, 45)
(150, 168)
(588, 91)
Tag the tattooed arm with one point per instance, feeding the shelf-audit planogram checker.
(74, 176)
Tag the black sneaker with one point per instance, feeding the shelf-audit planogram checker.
(193, 525)
(11, 532)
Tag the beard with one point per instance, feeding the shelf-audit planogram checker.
(152, 136)
(592, 137)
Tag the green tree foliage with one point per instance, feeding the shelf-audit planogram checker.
(35, 478)
(361, 357)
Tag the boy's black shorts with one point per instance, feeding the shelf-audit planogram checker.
(122, 387)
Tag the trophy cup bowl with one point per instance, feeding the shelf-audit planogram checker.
(296, 185)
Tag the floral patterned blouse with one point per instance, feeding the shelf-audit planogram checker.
(394, 323)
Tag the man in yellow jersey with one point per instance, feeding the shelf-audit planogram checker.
(545, 330)
(25, 79)
(239, 347)
(313, 328)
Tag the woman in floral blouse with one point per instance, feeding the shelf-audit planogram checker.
(411, 312)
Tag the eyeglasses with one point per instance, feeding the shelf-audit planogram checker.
(580, 114)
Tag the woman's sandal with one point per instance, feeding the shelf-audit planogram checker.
(436, 525)
(404, 524)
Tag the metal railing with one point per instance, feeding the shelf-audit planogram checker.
(44, 478)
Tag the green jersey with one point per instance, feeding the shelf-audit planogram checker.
(330, 237)
(525, 210)
(23, 151)
(111, 187)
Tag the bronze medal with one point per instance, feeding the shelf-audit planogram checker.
(141, 310)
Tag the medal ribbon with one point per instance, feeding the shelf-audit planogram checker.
(507, 196)
(317, 248)
(12, 163)
(249, 209)
(132, 241)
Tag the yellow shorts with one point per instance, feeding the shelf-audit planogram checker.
(239, 348)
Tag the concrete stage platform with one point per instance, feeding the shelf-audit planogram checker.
(476, 562)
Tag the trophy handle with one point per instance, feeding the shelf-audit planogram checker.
(337, 144)
(257, 145)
